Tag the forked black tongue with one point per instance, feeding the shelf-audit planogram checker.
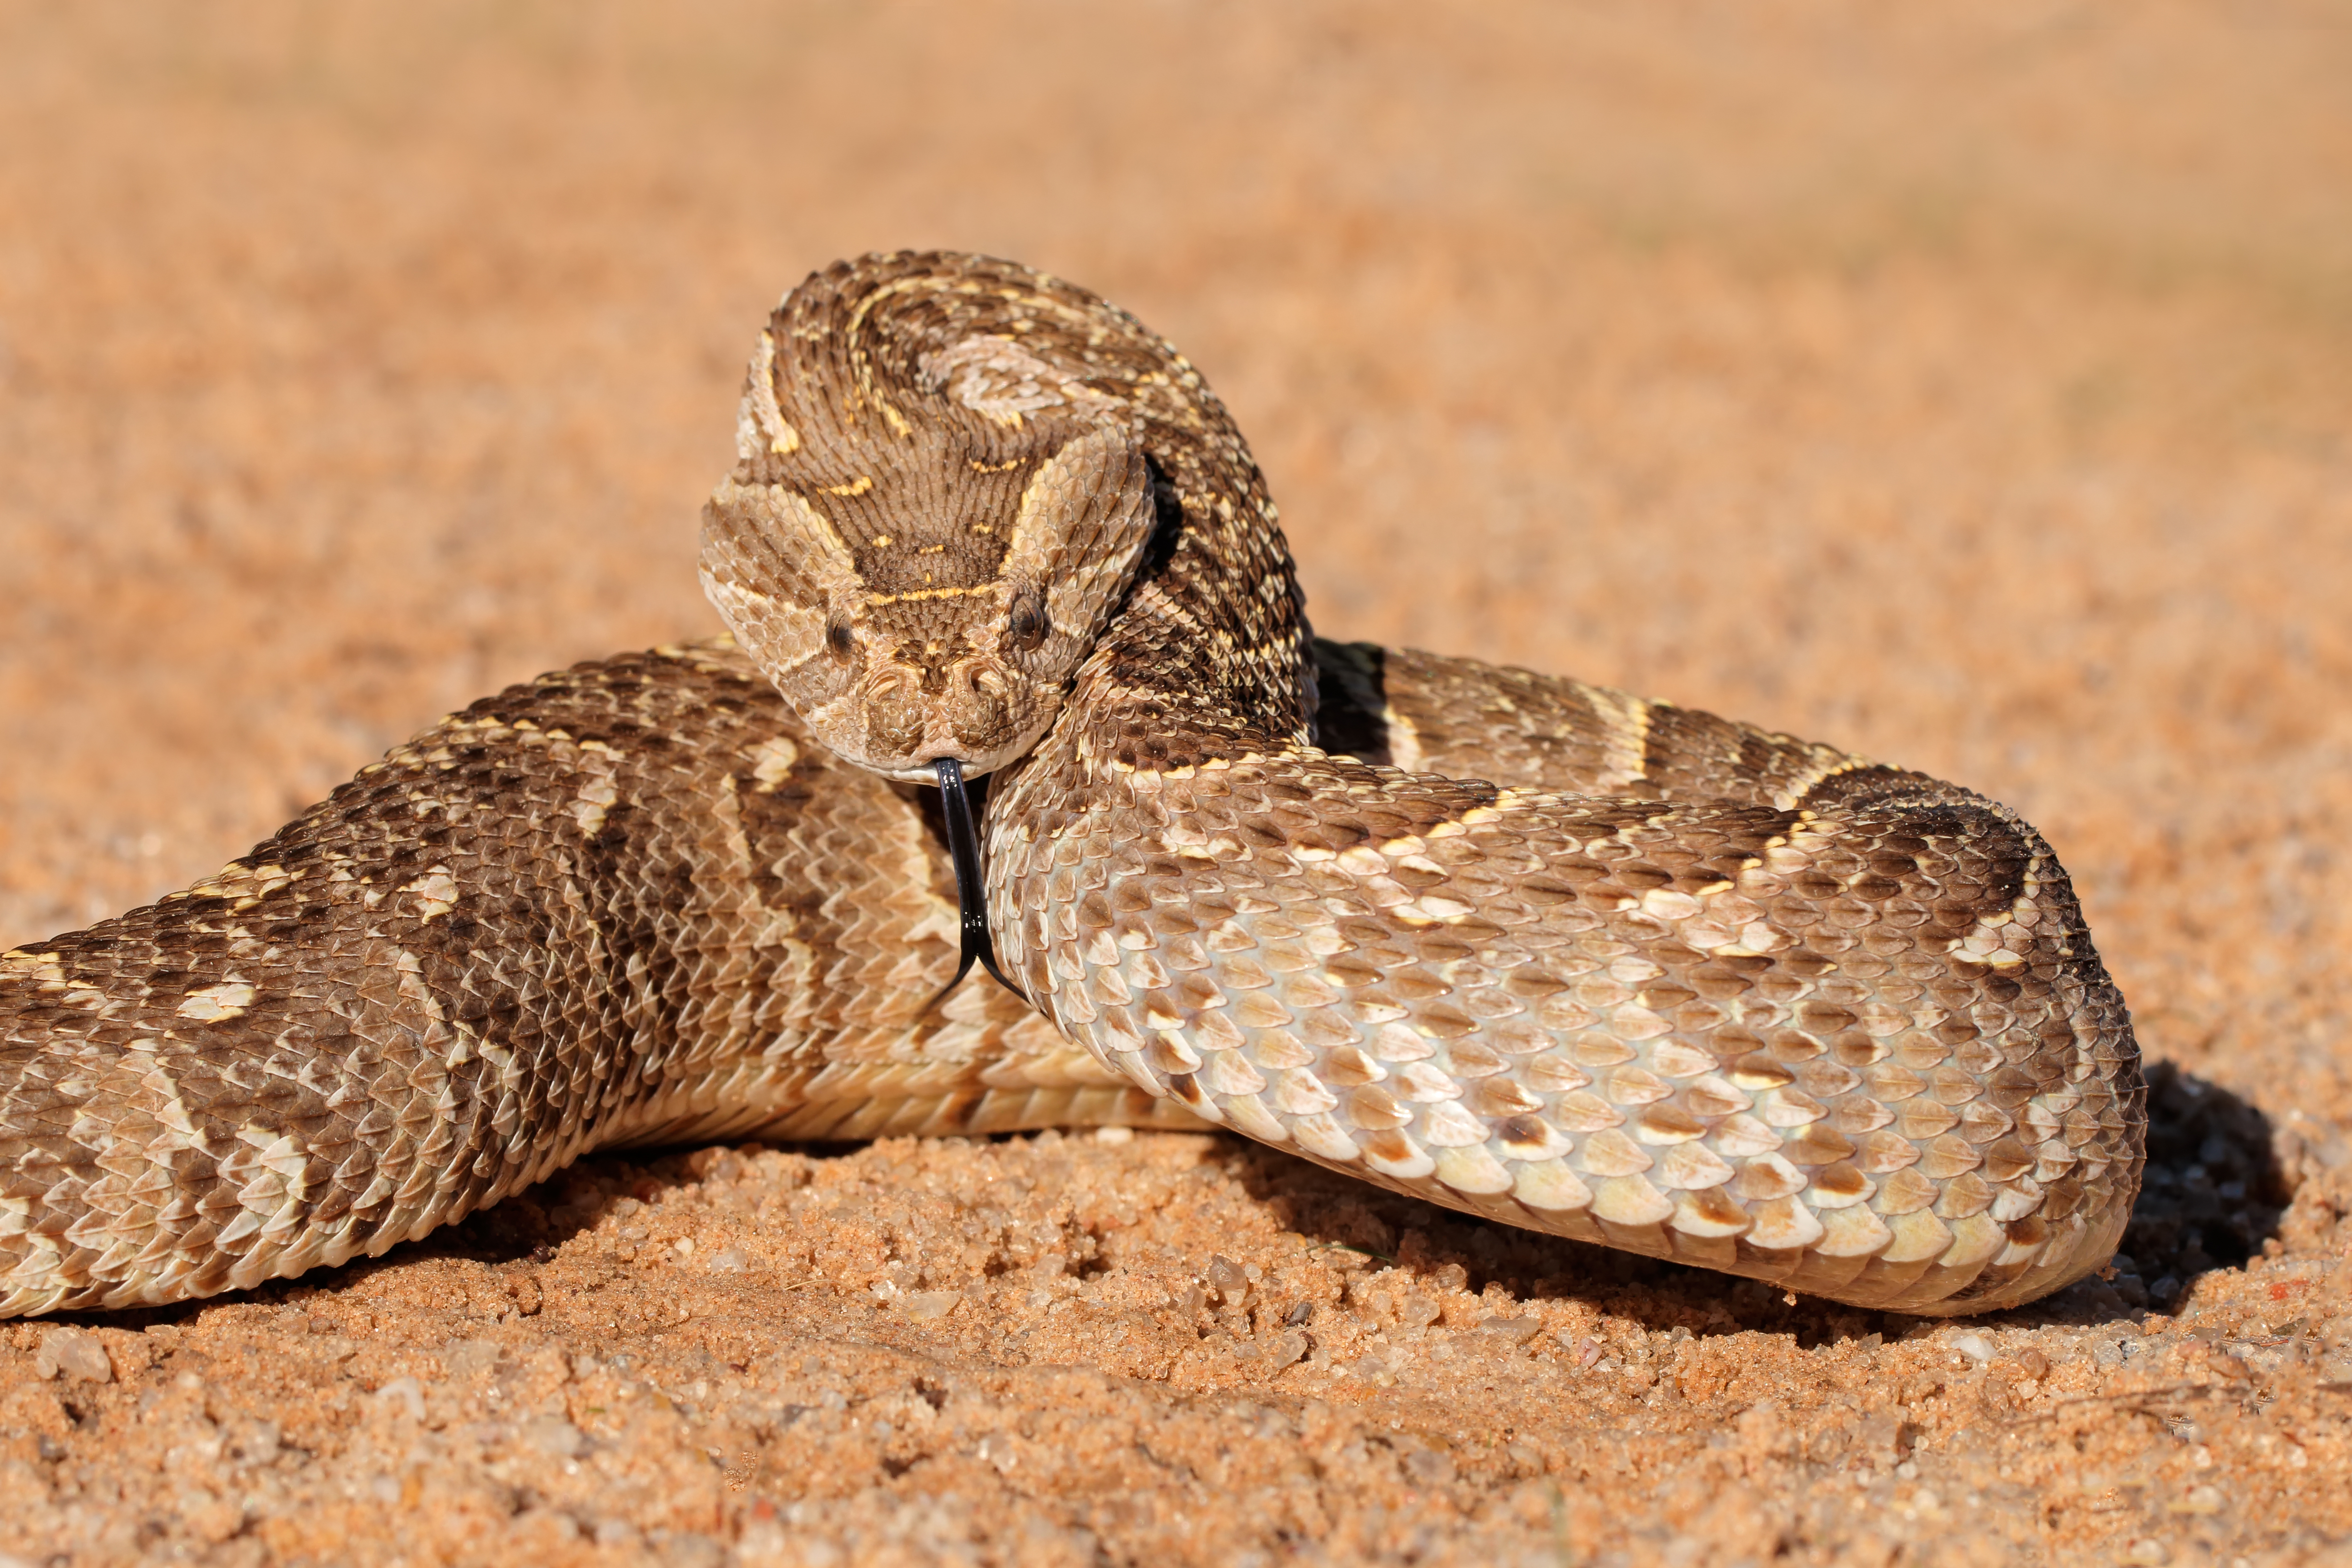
(971, 896)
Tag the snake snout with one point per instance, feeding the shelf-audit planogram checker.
(972, 708)
(897, 715)
(981, 708)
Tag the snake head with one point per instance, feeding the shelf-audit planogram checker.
(921, 562)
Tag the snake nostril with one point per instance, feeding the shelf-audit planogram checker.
(984, 715)
(894, 713)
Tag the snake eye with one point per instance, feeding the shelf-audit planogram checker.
(838, 641)
(1029, 623)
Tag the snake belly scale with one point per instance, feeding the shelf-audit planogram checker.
(1548, 952)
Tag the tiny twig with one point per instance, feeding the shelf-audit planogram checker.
(1349, 1247)
(2138, 1400)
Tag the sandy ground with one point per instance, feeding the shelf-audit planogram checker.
(1967, 385)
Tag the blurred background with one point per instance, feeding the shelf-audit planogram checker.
(1969, 385)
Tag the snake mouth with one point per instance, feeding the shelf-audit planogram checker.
(972, 893)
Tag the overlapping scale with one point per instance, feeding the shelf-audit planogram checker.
(1834, 1026)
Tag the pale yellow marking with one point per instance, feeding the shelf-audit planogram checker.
(1625, 735)
(1404, 743)
(1983, 944)
(1756, 939)
(857, 486)
(764, 927)
(773, 763)
(46, 969)
(761, 422)
(1441, 908)
(853, 331)
(243, 886)
(216, 1004)
(436, 892)
(588, 807)
(1666, 904)
(1005, 467)
(284, 1154)
(881, 541)
(875, 600)
(1798, 787)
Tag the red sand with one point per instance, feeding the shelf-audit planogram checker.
(1966, 385)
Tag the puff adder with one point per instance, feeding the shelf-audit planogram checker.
(1538, 951)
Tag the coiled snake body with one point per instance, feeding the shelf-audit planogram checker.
(1543, 951)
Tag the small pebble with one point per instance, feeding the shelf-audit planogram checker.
(1518, 1330)
(548, 1522)
(76, 1353)
(1428, 1467)
(2202, 1499)
(402, 1393)
(555, 1437)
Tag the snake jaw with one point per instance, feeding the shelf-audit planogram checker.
(971, 892)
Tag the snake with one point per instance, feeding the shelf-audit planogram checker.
(1017, 668)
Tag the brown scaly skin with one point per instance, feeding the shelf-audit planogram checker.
(1720, 995)
(1689, 989)
(626, 902)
